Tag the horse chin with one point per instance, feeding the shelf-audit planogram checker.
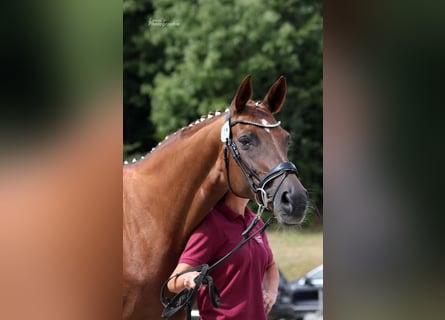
(290, 215)
(289, 220)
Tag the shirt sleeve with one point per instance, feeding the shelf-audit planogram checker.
(201, 246)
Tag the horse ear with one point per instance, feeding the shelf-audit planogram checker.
(274, 99)
(243, 94)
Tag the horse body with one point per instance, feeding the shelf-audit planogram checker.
(168, 194)
(162, 205)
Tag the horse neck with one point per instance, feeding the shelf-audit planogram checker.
(190, 176)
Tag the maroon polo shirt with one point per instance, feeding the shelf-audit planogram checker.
(239, 279)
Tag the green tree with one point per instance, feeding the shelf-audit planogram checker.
(141, 63)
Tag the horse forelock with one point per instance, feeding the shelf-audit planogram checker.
(255, 111)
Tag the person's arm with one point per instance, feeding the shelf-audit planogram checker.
(185, 280)
(270, 285)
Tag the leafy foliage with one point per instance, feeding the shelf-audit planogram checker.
(184, 59)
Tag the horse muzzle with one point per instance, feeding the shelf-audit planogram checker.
(290, 199)
(291, 202)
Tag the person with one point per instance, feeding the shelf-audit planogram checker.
(247, 280)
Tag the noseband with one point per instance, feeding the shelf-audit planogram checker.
(283, 169)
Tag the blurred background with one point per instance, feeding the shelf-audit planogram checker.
(60, 159)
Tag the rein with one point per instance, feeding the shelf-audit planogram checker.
(185, 297)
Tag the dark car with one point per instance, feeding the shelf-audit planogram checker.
(298, 298)
(295, 299)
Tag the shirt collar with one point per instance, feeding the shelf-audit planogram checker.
(227, 212)
(232, 215)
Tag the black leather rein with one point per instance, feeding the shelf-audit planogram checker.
(185, 297)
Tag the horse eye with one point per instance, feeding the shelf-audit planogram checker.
(245, 142)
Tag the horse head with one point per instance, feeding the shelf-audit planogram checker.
(256, 150)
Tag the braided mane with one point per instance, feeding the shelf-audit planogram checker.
(193, 124)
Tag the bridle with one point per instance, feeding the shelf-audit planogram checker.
(283, 169)
(185, 297)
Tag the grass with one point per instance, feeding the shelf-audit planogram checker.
(296, 251)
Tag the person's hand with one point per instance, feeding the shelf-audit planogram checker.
(269, 299)
(189, 279)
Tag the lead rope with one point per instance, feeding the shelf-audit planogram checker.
(186, 296)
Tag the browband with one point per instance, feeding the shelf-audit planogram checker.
(256, 124)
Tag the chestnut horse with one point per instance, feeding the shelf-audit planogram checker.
(169, 192)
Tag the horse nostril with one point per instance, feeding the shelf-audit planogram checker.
(285, 197)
